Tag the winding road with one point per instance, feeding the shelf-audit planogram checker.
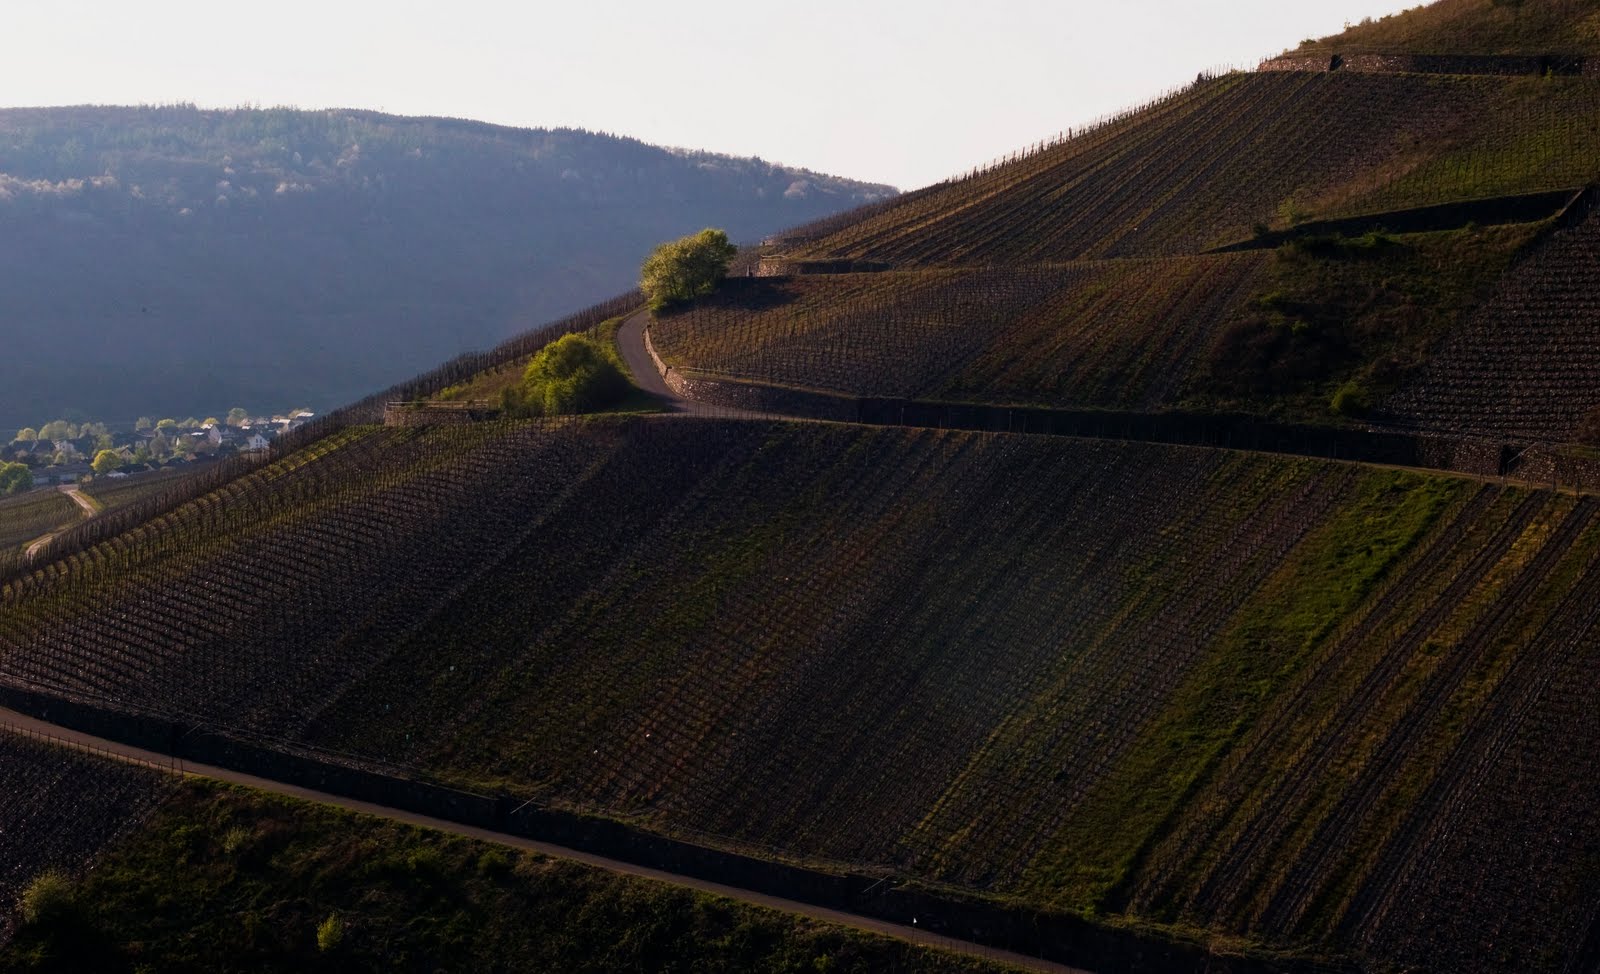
(90, 509)
(632, 343)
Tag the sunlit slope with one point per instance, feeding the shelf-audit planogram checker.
(1477, 27)
(1129, 334)
(1285, 700)
(1271, 331)
(1210, 164)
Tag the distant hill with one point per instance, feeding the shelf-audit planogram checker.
(1477, 27)
(180, 260)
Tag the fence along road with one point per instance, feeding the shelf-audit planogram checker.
(17, 722)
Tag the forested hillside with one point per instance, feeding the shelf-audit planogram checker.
(177, 260)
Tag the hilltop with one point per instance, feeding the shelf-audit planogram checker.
(176, 260)
(1504, 27)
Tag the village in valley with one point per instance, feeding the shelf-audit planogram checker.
(61, 452)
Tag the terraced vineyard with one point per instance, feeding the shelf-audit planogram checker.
(1328, 714)
(1264, 331)
(1008, 663)
(1125, 333)
(61, 807)
(1476, 27)
(112, 494)
(1527, 365)
(27, 517)
(1208, 165)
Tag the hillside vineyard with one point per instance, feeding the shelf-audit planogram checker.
(839, 623)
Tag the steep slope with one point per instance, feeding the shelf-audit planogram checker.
(1271, 331)
(1257, 696)
(1212, 163)
(179, 260)
(226, 878)
(1525, 366)
(61, 808)
(1477, 27)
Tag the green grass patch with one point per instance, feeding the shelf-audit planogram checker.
(224, 879)
(1340, 322)
(1318, 585)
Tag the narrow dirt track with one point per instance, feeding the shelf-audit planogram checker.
(90, 509)
(112, 749)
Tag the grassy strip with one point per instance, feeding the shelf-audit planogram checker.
(1340, 323)
(226, 879)
(1102, 845)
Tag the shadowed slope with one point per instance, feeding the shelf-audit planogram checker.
(1194, 686)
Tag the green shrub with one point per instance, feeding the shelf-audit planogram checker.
(570, 375)
(1350, 400)
(330, 933)
(235, 839)
(47, 898)
(493, 863)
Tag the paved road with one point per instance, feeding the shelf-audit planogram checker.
(112, 749)
(630, 340)
(90, 509)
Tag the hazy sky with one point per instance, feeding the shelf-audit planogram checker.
(904, 93)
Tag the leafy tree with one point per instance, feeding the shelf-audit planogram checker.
(58, 429)
(687, 268)
(189, 424)
(145, 423)
(93, 429)
(106, 461)
(211, 421)
(160, 446)
(237, 417)
(570, 375)
(14, 479)
(167, 425)
(28, 435)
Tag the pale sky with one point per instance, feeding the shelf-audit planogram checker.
(904, 93)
